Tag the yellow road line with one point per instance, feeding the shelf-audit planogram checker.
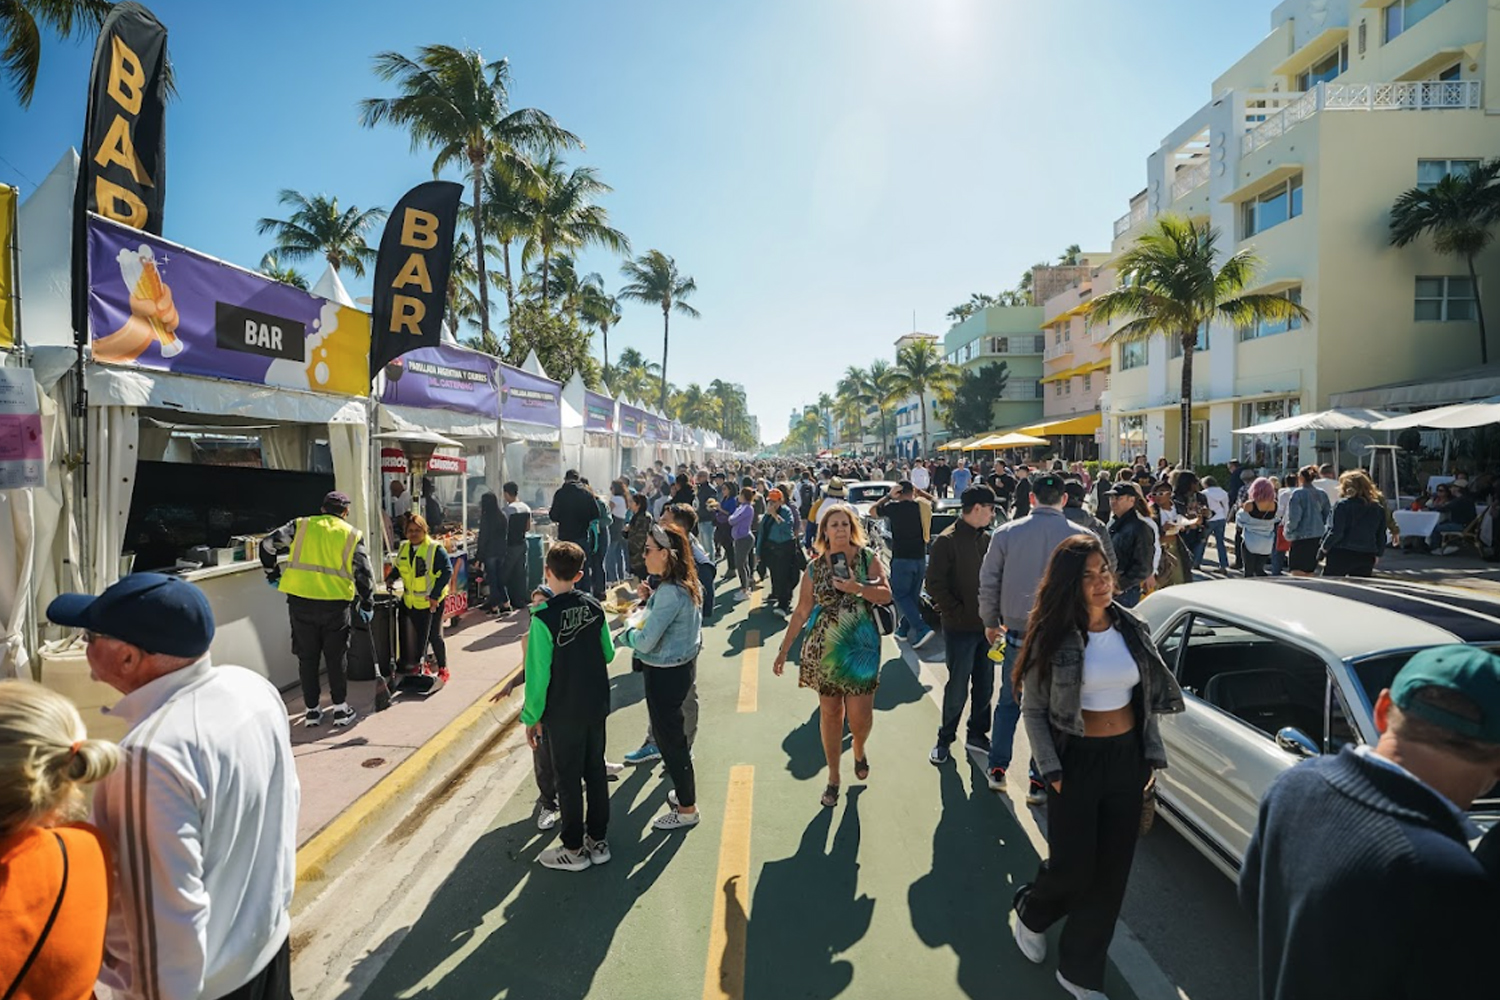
(724, 979)
(750, 672)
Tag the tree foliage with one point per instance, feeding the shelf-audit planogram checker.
(971, 410)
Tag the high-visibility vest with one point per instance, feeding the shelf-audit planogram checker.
(417, 590)
(321, 565)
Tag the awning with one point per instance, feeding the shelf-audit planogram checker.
(191, 394)
(1084, 425)
(998, 442)
(1325, 420)
(1083, 369)
(1456, 417)
(1462, 386)
(449, 422)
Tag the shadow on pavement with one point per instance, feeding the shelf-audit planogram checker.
(963, 903)
(898, 686)
(803, 746)
(807, 911)
(519, 951)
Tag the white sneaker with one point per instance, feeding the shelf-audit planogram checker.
(1078, 991)
(1448, 550)
(344, 715)
(610, 767)
(546, 818)
(564, 860)
(741, 595)
(674, 820)
(597, 850)
(1032, 944)
(314, 717)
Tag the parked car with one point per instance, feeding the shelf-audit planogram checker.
(1275, 671)
(863, 496)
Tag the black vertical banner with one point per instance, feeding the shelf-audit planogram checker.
(123, 175)
(411, 272)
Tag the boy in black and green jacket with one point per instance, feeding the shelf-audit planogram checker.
(568, 653)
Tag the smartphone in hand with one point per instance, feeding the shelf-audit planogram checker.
(840, 565)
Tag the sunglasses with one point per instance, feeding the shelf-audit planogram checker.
(89, 636)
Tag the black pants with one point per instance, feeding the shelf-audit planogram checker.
(515, 576)
(320, 636)
(420, 628)
(578, 756)
(1255, 564)
(780, 559)
(274, 982)
(545, 772)
(1343, 562)
(1092, 827)
(587, 583)
(666, 689)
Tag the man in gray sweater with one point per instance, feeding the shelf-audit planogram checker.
(1018, 556)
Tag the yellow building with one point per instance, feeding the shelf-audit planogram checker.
(1304, 146)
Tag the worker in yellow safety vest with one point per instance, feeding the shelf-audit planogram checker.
(326, 570)
(424, 569)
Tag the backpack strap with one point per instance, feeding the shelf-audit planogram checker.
(36, 949)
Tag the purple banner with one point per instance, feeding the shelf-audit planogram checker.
(444, 378)
(154, 304)
(598, 412)
(679, 432)
(633, 421)
(663, 429)
(529, 399)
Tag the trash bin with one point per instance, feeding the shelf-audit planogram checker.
(534, 558)
(375, 642)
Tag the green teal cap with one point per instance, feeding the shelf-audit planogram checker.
(1465, 670)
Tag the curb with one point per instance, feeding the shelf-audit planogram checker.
(315, 856)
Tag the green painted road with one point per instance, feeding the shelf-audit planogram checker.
(902, 890)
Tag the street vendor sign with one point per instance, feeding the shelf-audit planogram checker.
(23, 462)
(598, 412)
(444, 378)
(411, 272)
(529, 399)
(154, 304)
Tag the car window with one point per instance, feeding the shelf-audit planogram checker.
(1341, 729)
(1376, 673)
(1171, 643)
(1264, 682)
(867, 494)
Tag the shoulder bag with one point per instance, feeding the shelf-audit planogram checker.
(884, 615)
(36, 949)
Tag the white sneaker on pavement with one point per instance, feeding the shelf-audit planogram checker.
(564, 860)
(673, 820)
(597, 850)
(1032, 944)
(610, 767)
(546, 818)
(1082, 993)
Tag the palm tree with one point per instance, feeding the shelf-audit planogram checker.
(451, 99)
(1170, 284)
(633, 376)
(511, 189)
(825, 413)
(1459, 213)
(463, 303)
(1070, 256)
(272, 268)
(599, 309)
(732, 407)
(849, 412)
(564, 216)
(316, 227)
(21, 24)
(884, 390)
(920, 369)
(696, 406)
(654, 278)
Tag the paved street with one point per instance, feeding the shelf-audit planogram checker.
(902, 890)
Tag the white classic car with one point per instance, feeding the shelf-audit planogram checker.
(1274, 671)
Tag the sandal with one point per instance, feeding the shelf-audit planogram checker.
(830, 796)
(862, 768)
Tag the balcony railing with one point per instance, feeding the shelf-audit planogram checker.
(1134, 217)
(1055, 351)
(1190, 179)
(1417, 95)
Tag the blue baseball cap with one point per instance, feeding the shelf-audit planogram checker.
(151, 611)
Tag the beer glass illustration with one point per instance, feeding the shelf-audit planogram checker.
(139, 271)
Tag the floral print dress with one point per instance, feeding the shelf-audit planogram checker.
(841, 652)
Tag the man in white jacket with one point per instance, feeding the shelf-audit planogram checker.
(202, 815)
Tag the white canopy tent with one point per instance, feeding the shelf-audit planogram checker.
(1456, 416)
(1336, 420)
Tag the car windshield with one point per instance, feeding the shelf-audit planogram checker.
(867, 494)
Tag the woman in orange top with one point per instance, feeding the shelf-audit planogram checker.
(54, 873)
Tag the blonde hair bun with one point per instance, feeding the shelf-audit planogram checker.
(45, 755)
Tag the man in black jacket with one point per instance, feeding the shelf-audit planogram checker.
(953, 584)
(573, 510)
(1134, 543)
(1359, 876)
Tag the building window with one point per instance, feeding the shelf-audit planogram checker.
(1040, 346)
(1133, 355)
(1325, 69)
(1057, 388)
(1431, 172)
(1403, 15)
(1445, 299)
(1273, 207)
(1271, 327)
(1132, 437)
(1362, 34)
(999, 345)
(1068, 331)
(1454, 72)
(1067, 387)
(1088, 383)
(1274, 452)
(1174, 345)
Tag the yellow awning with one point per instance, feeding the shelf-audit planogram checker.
(1083, 369)
(1086, 424)
(953, 445)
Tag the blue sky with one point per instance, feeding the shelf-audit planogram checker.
(825, 169)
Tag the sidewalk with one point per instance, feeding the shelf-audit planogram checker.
(1413, 565)
(337, 767)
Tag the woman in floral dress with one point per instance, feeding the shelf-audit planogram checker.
(841, 653)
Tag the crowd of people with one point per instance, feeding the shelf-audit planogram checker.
(180, 882)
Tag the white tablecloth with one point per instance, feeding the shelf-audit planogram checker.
(1417, 523)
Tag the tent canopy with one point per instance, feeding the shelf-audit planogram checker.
(1344, 419)
(994, 442)
(1455, 417)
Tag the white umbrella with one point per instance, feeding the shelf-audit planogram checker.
(1324, 420)
(1452, 417)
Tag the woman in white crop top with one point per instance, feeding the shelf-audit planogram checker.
(1091, 682)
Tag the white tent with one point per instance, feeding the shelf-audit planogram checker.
(594, 453)
(331, 288)
(1453, 417)
(1347, 419)
(45, 230)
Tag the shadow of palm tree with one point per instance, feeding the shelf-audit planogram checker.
(550, 939)
(806, 912)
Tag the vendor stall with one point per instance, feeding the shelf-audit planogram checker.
(531, 428)
(590, 443)
(220, 405)
(634, 449)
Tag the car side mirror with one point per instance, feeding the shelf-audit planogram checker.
(1297, 743)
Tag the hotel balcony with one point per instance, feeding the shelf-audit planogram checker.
(1190, 179)
(1056, 352)
(1416, 95)
(1135, 217)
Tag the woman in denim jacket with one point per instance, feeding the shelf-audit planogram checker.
(666, 645)
(1093, 685)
